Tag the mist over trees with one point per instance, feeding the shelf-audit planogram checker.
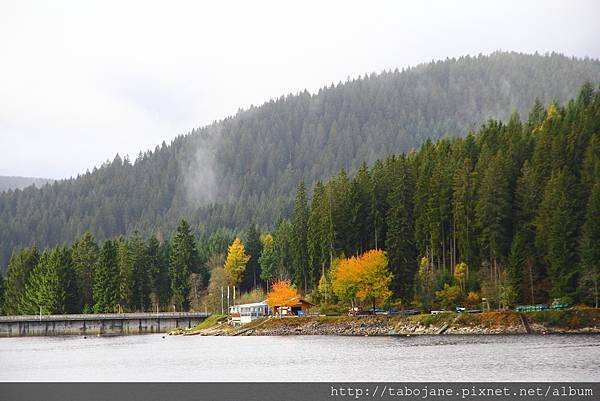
(510, 213)
(246, 168)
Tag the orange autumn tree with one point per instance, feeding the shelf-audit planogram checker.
(365, 277)
(282, 294)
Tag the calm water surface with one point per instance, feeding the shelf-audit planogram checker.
(301, 358)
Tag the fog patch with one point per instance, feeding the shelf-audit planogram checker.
(198, 174)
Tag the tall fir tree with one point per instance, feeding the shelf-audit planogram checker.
(158, 269)
(299, 246)
(44, 293)
(106, 282)
(20, 267)
(590, 245)
(85, 254)
(251, 278)
(184, 260)
(400, 243)
(556, 235)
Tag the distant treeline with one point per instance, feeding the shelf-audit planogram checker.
(246, 168)
(511, 213)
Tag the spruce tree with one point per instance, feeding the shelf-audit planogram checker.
(158, 268)
(183, 261)
(20, 267)
(85, 254)
(299, 246)
(590, 245)
(140, 286)
(400, 245)
(43, 291)
(251, 278)
(106, 282)
(556, 235)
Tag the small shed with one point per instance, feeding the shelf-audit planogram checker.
(297, 307)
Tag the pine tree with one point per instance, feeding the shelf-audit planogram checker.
(68, 280)
(282, 237)
(251, 278)
(590, 246)
(400, 244)
(106, 283)
(268, 259)
(43, 291)
(140, 274)
(158, 268)
(125, 264)
(299, 246)
(319, 226)
(184, 260)
(85, 254)
(20, 267)
(556, 229)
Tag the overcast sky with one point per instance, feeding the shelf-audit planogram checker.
(82, 80)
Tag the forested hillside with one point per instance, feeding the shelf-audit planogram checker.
(511, 214)
(244, 169)
(7, 183)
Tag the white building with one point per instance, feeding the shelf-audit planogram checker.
(245, 313)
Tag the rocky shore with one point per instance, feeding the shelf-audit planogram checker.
(577, 320)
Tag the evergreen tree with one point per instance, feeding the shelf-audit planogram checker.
(20, 267)
(85, 254)
(184, 260)
(68, 280)
(125, 264)
(268, 259)
(282, 238)
(43, 291)
(400, 246)
(140, 273)
(106, 283)
(158, 268)
(252, 276)
(299, 248)
(556, 229)
(590, 247)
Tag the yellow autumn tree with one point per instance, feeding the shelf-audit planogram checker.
(460, 273)
(282, 294)
(236, 262)
(376, 278)
(365, 278)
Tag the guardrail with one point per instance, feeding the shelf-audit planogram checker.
(104, 316)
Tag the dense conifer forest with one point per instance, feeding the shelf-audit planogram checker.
(245, 168)
(8, 183)
(510, 213)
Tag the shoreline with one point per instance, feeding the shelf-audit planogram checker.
(570, 321)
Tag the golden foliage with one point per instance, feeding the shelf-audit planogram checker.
(365, 277)
(235, 265)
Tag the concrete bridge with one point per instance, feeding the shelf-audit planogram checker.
(97, 324)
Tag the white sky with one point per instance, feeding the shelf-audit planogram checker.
(82, 80)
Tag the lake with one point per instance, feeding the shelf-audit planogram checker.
(302, 358)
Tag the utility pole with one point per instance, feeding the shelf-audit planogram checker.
(222, 310)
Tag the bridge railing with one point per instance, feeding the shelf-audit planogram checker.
(105, 316)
